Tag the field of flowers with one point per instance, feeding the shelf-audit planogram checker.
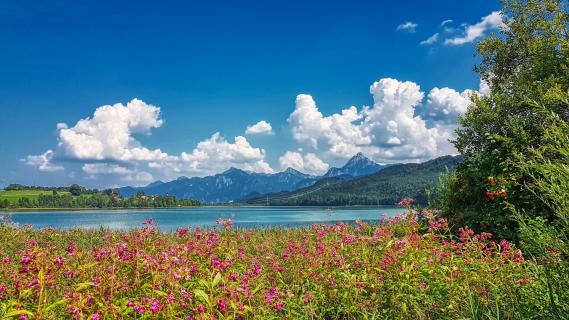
(405, 268)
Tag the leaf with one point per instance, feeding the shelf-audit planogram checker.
(203, 283)
(160, 293)
(200, 294)
(259, 287)
(55, 304)
(216, 279)
(14, 313)
(83, 285)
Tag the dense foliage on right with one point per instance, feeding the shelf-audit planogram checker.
(515, 180)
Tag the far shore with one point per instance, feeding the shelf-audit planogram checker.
(9, 210)
(88, 209)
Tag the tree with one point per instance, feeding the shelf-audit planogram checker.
(4, 203)
(527, 69)
(76, 189)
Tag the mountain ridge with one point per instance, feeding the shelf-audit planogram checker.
(386, 187)
(236, 184)
(232, 184)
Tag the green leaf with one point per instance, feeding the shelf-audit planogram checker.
(55, 304)
(201, 295)
(216, 279)
(83, 286)
(160, 293)
(203, 283)
(15, 313)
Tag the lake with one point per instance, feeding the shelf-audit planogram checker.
(171, 219)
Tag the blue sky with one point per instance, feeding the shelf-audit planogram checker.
(202, 68)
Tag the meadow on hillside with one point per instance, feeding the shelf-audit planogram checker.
(12, 196)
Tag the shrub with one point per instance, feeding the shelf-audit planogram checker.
(528, 76)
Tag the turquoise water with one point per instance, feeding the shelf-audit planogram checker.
(171, 219)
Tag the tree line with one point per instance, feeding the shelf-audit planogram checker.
(79, 197)
(74, 189)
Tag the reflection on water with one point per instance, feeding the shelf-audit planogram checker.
(170, 219)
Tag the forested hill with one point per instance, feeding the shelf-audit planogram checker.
(385, 187)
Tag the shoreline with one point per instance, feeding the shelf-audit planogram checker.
(15, 210)
(87, 209)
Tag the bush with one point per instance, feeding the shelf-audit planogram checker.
(528, 75)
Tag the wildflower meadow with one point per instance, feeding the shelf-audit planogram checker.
(407, 267)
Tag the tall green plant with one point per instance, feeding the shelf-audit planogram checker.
(547, 242)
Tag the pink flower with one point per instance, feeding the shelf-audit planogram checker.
(465, 234)
(155, 307)
(95, 316)
(25, 260)
(406, 202)
(180, 232)
(139, 309)
(222, 306)
(505, 246)
(58, 261)
(279, 305)
(271, 295)
(71, 248)
(32, 283)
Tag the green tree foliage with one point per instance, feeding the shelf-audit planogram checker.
(98, 200)
(515, 182)
(527, 69)
(76, 189)
(547, 240)
(4, 204)
(102, 200)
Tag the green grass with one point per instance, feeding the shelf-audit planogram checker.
(14, 195)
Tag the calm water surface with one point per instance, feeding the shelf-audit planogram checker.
(170, 219)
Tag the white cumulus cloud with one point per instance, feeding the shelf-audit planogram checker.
(107, 137)
(108, 134)
(473, 32)
(310, 125)
(397, 127)
(43, 162)
(446, 104)
(309, 163)
(217, 154)
(261, 127)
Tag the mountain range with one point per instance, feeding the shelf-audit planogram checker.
(385, 187)
(236, 184)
